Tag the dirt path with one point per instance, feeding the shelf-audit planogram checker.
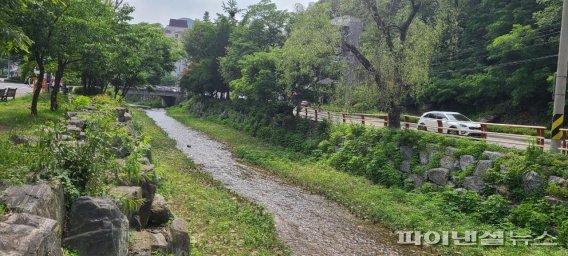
(309, 224)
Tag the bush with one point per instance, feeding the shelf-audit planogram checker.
(532, 216)
(494, 209)
(563, 234)
(81, 102)
(79, 90)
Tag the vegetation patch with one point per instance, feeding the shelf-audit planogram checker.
(355, 177)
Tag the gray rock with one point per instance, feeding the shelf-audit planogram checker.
(29, 235)
(503, 190)
(482, 167)
(555, 201)
(405, 166)
(148, 184)
(424, 157)
(532, 183)
(120, 112)
(417, 180)
(147, 243)
(179, 238)
(438, 176)
(97, 227)
(474, 183)
(336, 149)
(44, 200)
(72, 114)
(451, 151)
(144, 160)
(556, 180)
(124, 194)
(74, 130)
(448, 162)
(78, 122)
(406, 152)
(466, 161)
(127, 117)
(160, 213)
(491, 155)
(24, 139)
(460, 190)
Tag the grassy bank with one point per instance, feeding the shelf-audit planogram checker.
(15, 114)
(400, 210)
(220, 222)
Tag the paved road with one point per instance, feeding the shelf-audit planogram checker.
(308, 223)
(505, 140)
(23, 89)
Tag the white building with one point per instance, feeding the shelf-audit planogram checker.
(175, 29)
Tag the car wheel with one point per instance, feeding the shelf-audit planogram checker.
(454, 132)
(421, 127)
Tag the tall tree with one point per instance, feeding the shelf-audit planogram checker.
(397, 47)
(262, 28)
(38, 22)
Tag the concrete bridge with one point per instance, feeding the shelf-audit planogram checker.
(169, 95)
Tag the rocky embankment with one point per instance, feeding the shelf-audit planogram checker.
(130, 220)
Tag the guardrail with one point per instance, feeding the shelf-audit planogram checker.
(411, 122)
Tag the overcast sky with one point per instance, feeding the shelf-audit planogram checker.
(161, 11)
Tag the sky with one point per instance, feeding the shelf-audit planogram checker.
(161, 11)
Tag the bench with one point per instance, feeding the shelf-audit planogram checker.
(8, 93)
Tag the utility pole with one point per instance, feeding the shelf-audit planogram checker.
(560, 91)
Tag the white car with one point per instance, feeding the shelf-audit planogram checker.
(452, 123)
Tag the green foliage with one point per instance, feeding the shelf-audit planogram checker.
(532, 216)
(563, 233)
(557, 191)
(494, 210)
(80, 102)
(3, 209)
(259, 78)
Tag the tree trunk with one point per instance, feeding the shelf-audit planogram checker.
(394, 115)
(37, 87)
(58, 76)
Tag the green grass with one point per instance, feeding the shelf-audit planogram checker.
(15, 115)
(393, 207)
(220, 222)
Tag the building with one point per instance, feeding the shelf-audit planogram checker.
(175, 29)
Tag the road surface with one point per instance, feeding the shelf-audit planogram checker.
(23, 89)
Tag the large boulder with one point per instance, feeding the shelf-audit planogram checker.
(406, 152)
(532, 183)
(97, 227)
(424, 157)
(466, 161)
(405, 166)
(146, 243)
(491, 155)
(24, 139)
(148, 185)
(43, 199)
(556, 180)
(160, 213)
(448, 162)
(178, 238)
(474, 183)
(438, 176)
(482, 167)
(126, 195)
(24, 234)
(417, 180)
(451, 151)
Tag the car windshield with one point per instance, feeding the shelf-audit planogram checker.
(458, 117)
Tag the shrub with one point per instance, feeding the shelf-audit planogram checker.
(558, 191)
(80, 102)
(494, 209)
(532, 216)
(563, 234)
(79, 90)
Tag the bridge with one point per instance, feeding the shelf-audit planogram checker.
(169, 95)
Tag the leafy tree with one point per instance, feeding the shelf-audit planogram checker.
(310, 53)
(397, 47)
(37, 21)
(259, 80)
(205, 43)
(262, 28)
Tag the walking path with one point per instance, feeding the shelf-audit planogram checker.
(309, 224)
